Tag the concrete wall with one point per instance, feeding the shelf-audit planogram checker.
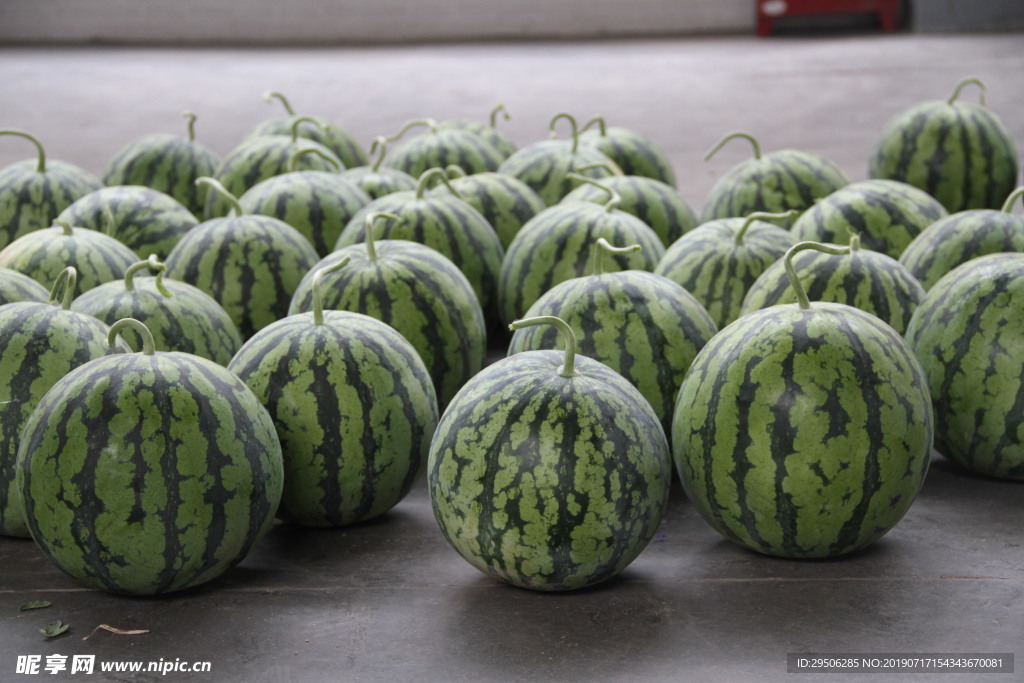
(934, 16)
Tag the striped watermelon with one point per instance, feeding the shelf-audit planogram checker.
(506, 203)
(969, 336)
(40, 342)
(775, 182)
(488, 131)
(179, 477)
(718, 261)
(316, 203)
(441, 147)
(34, 191)
(179, 316)
(655, 203)
(644, 326)
(250, 265)
(315, 128)
(549, 471)
(959, 152)
(15, 286)
(378, 180)
(44, 254)
(804, 431)
(367, 412)
(862, 278)
(167, 163)
(555, 246)
(962, 236)
(414, 289)
(445, 223)
(145, 220)
(886, 214)
(546, 165)
(632, 151)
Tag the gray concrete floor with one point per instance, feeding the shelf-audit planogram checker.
(390, 600)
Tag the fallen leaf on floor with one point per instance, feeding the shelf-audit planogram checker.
(36, 604)
(54, 628)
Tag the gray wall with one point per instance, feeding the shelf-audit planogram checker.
(932, 16)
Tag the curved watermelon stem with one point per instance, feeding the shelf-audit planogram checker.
(66, 227)
(757, 216)
(298, 122)
(191, 125)
(794, 279)
(614, 197)
(318, 302)
(429, 175)
(272, 95)
(154, 265)
(730, 136)
(207, 181)
(500, 109)
(380, 142)
(609, 166)
(960, 86)
(575, 129)
(41, 164)
(371, 220)
(1008, 205)
(293, 160)
(854, 242)
(455, 171)
(602, 127)
(148, 343)
(409, 125)
(68, 278)
(602, 250)
(568, 367)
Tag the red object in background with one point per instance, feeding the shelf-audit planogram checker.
(770, 10)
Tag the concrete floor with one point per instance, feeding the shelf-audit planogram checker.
(390, 600)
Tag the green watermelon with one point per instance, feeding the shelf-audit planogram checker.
(40, 342)
(959, 152)
(488, 131)
(962, 236)
(804, 431)
(15, 286)
(179, 316)
(316, 203)
(353, 405)
(776, 182)
(377, 180)
(43, 254)
(441, 147)
(644, 326)
(862, 278)
(969, 335)
(314, 128)
(250, 265)
(145, 220)
(33, 192)
(178, 478)
(414, 289)
(549, 471)
(886, 214)
(167, 163)
(718, 261)
(632, 151)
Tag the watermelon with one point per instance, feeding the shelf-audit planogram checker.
(555, 245)
(962, 236)
(440, 147)
(179, 477)
(644, 326)
(167, 163)
(15, 286)
(180, 317)
(488, 131)
(776, 182)
(414, 289)
(250, 265)
(145, 220)
(316, 203)
(506, 203)
(442, 222)
(655, 203)
(549, 471)
(378, 180)
(718, 261)
(545, 166)
(632, 151)
(43, 254)
(33, 192)
(354, 407)
(862, 278)
(40, 342)
(317, 129)
(886, 214)
(804, 431)
(969, 335)
(959, 152)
